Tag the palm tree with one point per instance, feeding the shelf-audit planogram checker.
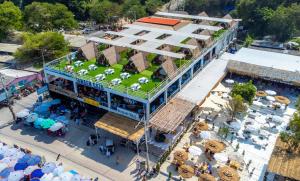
(236, 105)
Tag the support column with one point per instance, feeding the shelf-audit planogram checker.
(202, 62)
(179, 81)
(210, 55)
(108, 100)
(147, 111)
(192, 72)
(75, 87)
(166, 95)
(46, 77)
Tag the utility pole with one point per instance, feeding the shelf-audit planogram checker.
(146, 139)
(7, 97)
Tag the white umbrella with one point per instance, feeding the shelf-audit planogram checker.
(30, 169)
(205, 134)
(48, 167)
(271, 92)
(229, 81)
(56, 126)
(3, 166)
(31, 118)
(76, 177)
(10, 161)
(47, 177)
(251, 128)
(235, 125)
(10, 152)
(221, 157)
(19, 154)
(277, 119)
(56, 179)
(195, 151)
(58, 170)
(3, 149)
(270, 98)
(16, 175)
(257, 103)
(66, 176)
(23, 113)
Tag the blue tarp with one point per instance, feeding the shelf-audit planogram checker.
(37, 173)
(44, 107)
(34, 160)
(35, 179)
(20, 166)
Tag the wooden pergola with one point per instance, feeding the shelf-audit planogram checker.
(170, 117)
(121, 126)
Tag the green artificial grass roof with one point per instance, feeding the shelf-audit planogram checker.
(118, 70)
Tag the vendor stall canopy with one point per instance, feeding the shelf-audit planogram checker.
(121, 126)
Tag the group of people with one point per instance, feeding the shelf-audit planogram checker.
(78, 112)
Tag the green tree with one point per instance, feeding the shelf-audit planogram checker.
(50, 45)
(246, 90)
(292, 136)
(248, 41)
(10, 18)
(133, 9)
(236, 105)
(153, 5)
(104, 11)
(47, 17)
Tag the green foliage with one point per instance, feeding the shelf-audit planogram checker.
(218, 33)
(248, 41)
(153, 5)
(224, 131)
(273, 17)
(292, 137)
(10, 18)
(105, 11)
(215, 7)
(50, 44)
(298, 103)
(133, 9)
(47, 17)
(236, 105)
(246, 90)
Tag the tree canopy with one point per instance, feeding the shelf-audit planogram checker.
(10, 18)
(236, 105)
(153, 5)
(279, 18)
(246, 90)
(47, 17)
(104, 11)
(133, 9)
(51, 45)
(292, 136)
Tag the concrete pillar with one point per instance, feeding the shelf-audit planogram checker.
(75, 86)
(108, 100)
(192, 72)
(166, 96)
(210, 55)
(202, 62)
(46, 77)
(147, 111)
(179, 81)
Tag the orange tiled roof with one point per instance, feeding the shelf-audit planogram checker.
(161, 21)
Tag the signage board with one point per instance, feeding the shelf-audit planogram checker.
(127, 113)
(91, 102)
(41, 90)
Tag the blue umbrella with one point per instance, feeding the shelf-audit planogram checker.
(1, 156)
(37, 173)
(20, 166)
(24, 159)
(5, 172)
(34, 160)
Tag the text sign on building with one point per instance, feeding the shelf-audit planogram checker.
(91, 102)
(41, 90)
(128, 113)
(90, 84)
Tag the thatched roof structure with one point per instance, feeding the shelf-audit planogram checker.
(215, 146)
(265, 72)
(140, 61)
(89, 50)
(112, 55)
(170, 117)
(283, 163)
(206, 177)
(227, 173)
(194, 42)
(181, 155)
(186, 171)
(120, 126)
(169, 68)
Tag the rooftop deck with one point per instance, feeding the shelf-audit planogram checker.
(149, 43)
